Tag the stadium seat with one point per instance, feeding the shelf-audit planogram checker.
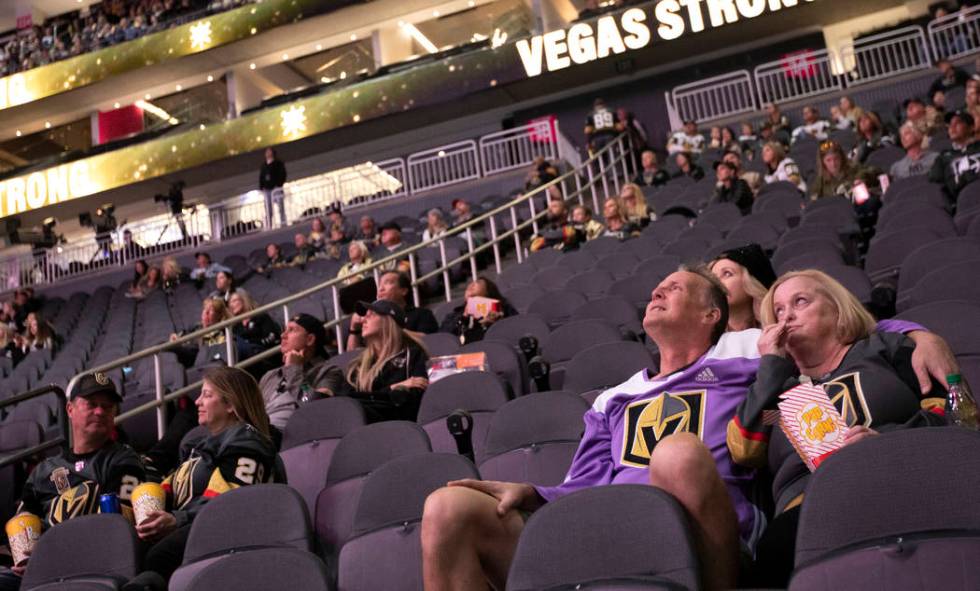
(956, 321)
(533, 438)
(506, 361)
(556, 307)
(592, 284)
(388, 518)
(440, 343)
(510, 330)
(103, 554)
(887, 252)
(604, 365)
(578, 260)
(615, 309)
(853, 278)
(620, 264)
(553, 278)
(477, 392)
(723, 216)
(260, 570)
(242, 520)
(567, 340)
(863, 524)
(522, 296)
(361, 451)
(931, 257)
(310, 439)
(956, 281)
(631, 532)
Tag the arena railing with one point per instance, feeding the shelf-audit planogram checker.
(885, 55)
(443, 166)
(604, 170)
(955, 35)
(796, 76)
(716, 97)
(516, 148)
(65, 433)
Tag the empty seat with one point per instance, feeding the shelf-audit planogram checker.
(956, 321)
(553, 278)
(619, 264)
(887, 252)
(534, 438)
(930, 257)
(521, 297)
(632, 532)
(602, 366)
(512, 329)
(310, 438)
(506, 361)
(387, 521)
(615, 309)
(956, 281)
(567, 340)
(852, 278)
(440, 343)
(259, 570)
(477, 392)
(556, 307)
(592, 284)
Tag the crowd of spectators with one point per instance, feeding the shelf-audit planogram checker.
(104, 24)
(23, 327)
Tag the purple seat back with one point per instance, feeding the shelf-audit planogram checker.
(479, 393)
(269, 568)
(306, 467)
(605, 365)
(956, 321)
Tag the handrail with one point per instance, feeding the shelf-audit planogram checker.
(606, 159)
(46, 445)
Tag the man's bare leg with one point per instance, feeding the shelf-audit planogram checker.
(465, 544)
(682, 466)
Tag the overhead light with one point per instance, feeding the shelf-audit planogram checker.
(210, 78)
(173, 121)
(471, 4)
(251, 66)
(319, 47)
(179, 88)
(353, 36)
(157, 112)
(146, 96)
(435, 13)
(285, 56)
(47, 125)
(18, 133)
(202, 127)
(115, 105)
(420, 38)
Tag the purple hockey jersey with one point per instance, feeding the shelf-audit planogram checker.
(627, 421)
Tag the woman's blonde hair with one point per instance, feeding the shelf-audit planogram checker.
(640, 210)
(170, 266)
(240, 390)
(219, 307)
(777, 150)
(378, 349)
(752, 286)
(620, 207)
(365, 254)
(854, 322)
(248, 302)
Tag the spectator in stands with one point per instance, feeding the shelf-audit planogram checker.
(471, 328)
(172, 273)
(634, 127)
(318, 235)
(837, 176)
(238, 451)
(687, 140)
(815, 328)
(780, 166)
(359, 257)
(462, 211)
(436, 224)
(813, 126)
(554, 231)
(206, 269)
(714, 138)
(391, 243)
(367, 231)
(651, 175)
(918, 160)
(871, 137)
(272, 176)
(746, 274)
(635, 205)
(304, 250)
(224, 286)
(959, 165)
(213, 311)
(949, 77)
(731, 189)
(838, 121)
(587, 228)
(140, 269)
(601, 126)
(67, 485)
(754, 179)
(541, 172)
(337, 220)
(256, 333)
(38, 334)
(304, 375)
(336, 240)
(687, 167)
(9, 348)
(915, 113)
(850, 111)
(273, 258)
(747, 139)
(724, 140)
(22, 307)
(972, 98)
(617, 225)
(388, 377)
(778, 123)
(395, 287)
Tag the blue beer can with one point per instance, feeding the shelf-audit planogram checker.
(109, 503)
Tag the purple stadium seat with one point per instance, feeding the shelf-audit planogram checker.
(578, 260)
(925, 217)
(542, 259)
(806, 246)
(533, 439)
(930, 257)
(955, 281)
(644, 246)
(604, 365)
(863, 524)
(723, 216)
(602, 246)
(567, 340)
(592, 284)
(615, 309)
(310, 438)
(360, 452)
(620, 263)
(752, 229)
(387, 521)
(556, 307)
(343, 359)
(884, 157)
(553, 278)
(440, 343)
(788, 203)
(887, 252)
(819, 259)
(607, 532)
(480, 393)
(506, 361)
(704, 231)
(269, 568)
(510, 330)
(689, 250)
(104, 553)
(231, 524)
(853, 278)
(522, 296)
(956, 321)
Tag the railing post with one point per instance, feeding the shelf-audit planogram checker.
(613, 160)
(599, 158)
(158, 383)
(414, 275)
(493, 240)
(341, 345)
(534, 214)
(285, 314)
(627, 153)
(517, 235)
(578, 189)
(469, 243)
(595, 199)
(230, 348)
(445, 270)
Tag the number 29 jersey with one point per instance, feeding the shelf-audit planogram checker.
(236, 457)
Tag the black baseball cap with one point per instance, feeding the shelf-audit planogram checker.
(389, 226)
(92, 384)
(909, 101)
(754, 259)
(728, 165)
(314, 326)
(963, 115)
(383, 308)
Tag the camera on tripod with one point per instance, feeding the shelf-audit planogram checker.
(103, 221)
(174, 199)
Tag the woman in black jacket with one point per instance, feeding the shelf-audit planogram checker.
(389, 375)
(471, 328)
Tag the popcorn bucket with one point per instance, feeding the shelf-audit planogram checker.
(147, 498)
(23, 532)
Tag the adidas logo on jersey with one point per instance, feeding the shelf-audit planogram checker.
(705, 375)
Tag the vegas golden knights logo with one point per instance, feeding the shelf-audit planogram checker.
(649, 421)
(59, 477)
(182, 482)
(846, 394)
(80, 500)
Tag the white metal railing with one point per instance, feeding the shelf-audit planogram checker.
(888, 54)
(516, 148)
(443, 166)
(716, 97)
(602, 171)
(796, 76)
(955, 35)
